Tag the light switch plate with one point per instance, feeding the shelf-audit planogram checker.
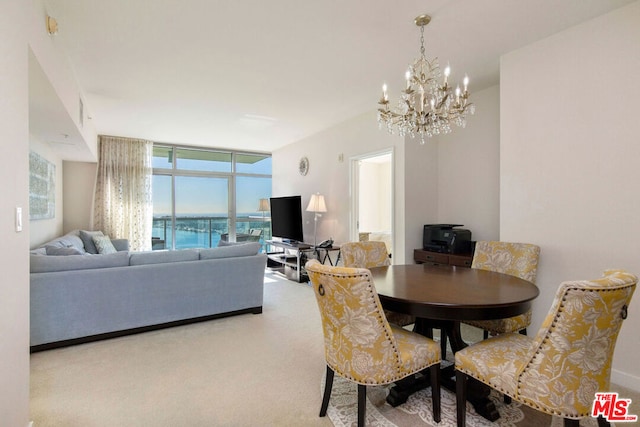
(18, 219)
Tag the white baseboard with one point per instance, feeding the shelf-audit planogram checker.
(625, 380)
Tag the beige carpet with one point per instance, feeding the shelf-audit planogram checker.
(250, 370)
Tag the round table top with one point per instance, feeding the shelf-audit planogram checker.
(452, 293)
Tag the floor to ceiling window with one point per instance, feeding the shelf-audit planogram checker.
(202, 196)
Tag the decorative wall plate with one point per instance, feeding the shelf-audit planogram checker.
(303, 167)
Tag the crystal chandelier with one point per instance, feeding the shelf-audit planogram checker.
(427, 108)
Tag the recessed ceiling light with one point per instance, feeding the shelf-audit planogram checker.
(256, 122)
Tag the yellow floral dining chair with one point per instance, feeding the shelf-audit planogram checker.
(360, 345)
(515, 259)
(364, 254)
(371, 254)
(559, 370)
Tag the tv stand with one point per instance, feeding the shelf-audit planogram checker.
(288, 258)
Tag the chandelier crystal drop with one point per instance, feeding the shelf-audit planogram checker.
(427, 107)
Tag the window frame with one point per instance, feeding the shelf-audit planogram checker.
(174, 172)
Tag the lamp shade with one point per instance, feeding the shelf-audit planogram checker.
(264, 205)
(316, 204)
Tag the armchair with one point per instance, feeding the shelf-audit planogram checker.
(560, 370)
(360, 345)
(369, 254)
(516, 259)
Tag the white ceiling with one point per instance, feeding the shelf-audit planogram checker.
(257, 74)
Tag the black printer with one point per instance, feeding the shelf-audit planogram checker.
(446, 239)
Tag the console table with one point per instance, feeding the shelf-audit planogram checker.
(289, 259)
(420, 256)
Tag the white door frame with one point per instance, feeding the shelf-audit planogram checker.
(354, 189)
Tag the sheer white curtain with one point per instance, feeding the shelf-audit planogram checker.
(123, 203)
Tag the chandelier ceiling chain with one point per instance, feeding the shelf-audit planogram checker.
(426, 108)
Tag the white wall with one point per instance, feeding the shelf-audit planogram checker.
(43, 230)
(469, 170)
(451, 178)
(79, 183)
(53, 60)
(421, 186)
(14, 179)
(454, 178)
(569, 160)
(330, 176)
(21, 29)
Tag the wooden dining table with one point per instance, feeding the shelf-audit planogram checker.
(441, 297)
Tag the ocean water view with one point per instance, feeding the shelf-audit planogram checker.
(206, 230)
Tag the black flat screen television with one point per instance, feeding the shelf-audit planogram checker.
(286, 218)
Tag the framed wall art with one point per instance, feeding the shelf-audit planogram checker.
(42, 187)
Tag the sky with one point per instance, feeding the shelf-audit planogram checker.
(210, 195)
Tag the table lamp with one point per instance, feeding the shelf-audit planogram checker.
(263, 207)
(316, 205)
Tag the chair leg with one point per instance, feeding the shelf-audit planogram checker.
(362, 404)
(434, 374)
(328, 384)
(571, 423)
(461, 398)
(485, 334)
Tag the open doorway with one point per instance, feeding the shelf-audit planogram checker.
(372, 202)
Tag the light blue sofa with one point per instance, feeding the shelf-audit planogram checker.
(81, 298)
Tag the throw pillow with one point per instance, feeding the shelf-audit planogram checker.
(68, 250)
(103, 245)
(87, 240)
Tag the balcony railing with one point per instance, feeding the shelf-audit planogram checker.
(206, 231)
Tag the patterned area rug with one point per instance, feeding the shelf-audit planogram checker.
(417, 410)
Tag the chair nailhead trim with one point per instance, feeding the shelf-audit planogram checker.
(518, 399)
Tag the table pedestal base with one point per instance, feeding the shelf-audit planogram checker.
(477, 392)
(400, 392)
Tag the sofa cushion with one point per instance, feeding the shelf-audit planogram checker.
(120, 244)
(56, 250)
(244, 249)
(45, 263)
(158, 257)
(70, 239)
(103, 244)
(226, 243)
(87, 240)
